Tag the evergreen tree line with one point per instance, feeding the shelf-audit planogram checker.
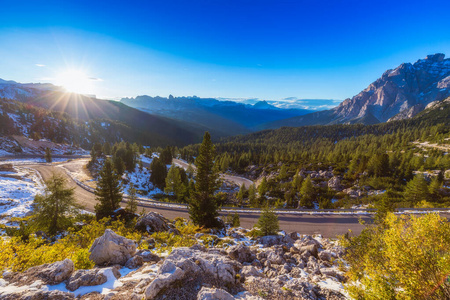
(382, 157)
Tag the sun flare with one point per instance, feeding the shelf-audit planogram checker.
(75, 81)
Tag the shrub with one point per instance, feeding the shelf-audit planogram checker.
(268, 222)
(165, 241)
(233, 220)
(405, 257)
(19, 254)
(236, 221)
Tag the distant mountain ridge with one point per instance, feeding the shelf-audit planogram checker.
(228, 117)
(399, 93)
(139, 126)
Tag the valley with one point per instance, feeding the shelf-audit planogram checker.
(288, 211)
(326, 223)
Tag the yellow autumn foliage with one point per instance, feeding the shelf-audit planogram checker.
(405, 257)
(19, 255)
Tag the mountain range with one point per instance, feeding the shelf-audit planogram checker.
(225, 117)
(398, 94)
(143, 127)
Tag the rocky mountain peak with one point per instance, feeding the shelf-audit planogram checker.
(438, 57)
(402, 92)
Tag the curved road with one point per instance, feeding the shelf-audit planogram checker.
(328, 225)
(235, 179)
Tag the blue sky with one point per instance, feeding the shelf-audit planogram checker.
(244, 49)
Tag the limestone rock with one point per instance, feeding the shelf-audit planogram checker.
(330, 272)
(41, 295)
(148, 256)
(271, 240)
(335, 183)
(134, 262)
(53, 273)
(167, 275)
(189, 265)
(91, 277)
(152, 222)
(327, 255)
(111, 249)
(241, 253)
(214, 294)
(250, 271)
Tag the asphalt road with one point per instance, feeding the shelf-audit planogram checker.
(328, 225)
(235, 179)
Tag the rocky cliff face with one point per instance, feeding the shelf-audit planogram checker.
(401, 92)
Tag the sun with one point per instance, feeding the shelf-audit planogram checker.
(75, 81)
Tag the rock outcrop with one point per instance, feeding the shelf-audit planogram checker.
(53, 273)
(241, 253)
(192, 268)
(152, 222)
(111, 249)
(91, 277)
(214, 294)
(280, 268)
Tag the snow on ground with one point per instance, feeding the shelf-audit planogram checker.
(334, 285)
(111, 283)
(17, 192)
(140, 178)
(29, 161)
(4, 153)
(145, 159)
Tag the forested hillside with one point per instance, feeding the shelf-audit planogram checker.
(342, 161)
(17, 118)
(136, 125)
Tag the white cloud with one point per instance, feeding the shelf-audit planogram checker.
(39, 65)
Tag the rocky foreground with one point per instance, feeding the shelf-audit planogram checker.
(285, 266)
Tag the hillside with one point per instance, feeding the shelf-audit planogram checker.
(224, 117)
(399, 93)
(17, 118)
(136, 125)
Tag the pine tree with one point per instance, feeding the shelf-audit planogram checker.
(435, 186)
(166, 156)
(235, 220)
(416, 190)
(48, 155)
(132, 203)
(203, 205)
(106, 148)
(119, 165)
(108, 191)
(177, 183)
(283, 173)
(52, 209)
(262, 188)
(268, 222)
(252, 196)
(297, 182)
(190, 171)
(173, 180)
(96, 151)
(129, 159)
(159, 173)
(241, 194)
(307, 193)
